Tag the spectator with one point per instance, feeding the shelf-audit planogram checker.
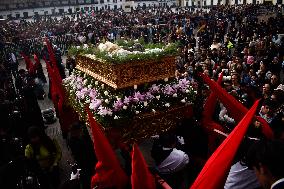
(266, 159)
(45, 155)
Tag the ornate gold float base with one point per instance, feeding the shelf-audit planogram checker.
(127, 74)
(147, 125)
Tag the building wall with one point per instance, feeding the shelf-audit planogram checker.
(112, 4)
(57, 9)
(224, 2)
(101, 4)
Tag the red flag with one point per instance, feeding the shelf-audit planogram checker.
(141, 178)
(108, 170)
(236, 108)
(214, 172)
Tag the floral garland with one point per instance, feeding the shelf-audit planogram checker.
(109, 105)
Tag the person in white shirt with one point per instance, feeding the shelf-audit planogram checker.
(240, 177)
(215, 45)
(171, 162)
(168, 158)
(14, 64)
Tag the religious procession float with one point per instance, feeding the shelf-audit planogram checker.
(130, 88)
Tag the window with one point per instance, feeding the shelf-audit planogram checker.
(102, 1)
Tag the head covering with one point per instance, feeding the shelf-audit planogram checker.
(236, 109)
(108, 170)
(141, 177)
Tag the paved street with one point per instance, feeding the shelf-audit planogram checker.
(54, 131)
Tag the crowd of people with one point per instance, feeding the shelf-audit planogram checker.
(241, 42)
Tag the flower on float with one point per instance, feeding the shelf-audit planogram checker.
(175, 95)
(85, 46)
(166, 79)
(138, 97)
(79, 86)
(145, 103)
(135, 87)
(103, 86)
(96, 82)
(167, 104)
(195, 92)
(93, 93)
(169, 90)
(153, 110)
(183, 84)
(88, 101)
(137, 112)
(183, 101)
(187, 91)
(80, 95)
(127, 100)
(149, 96)
(116, 117)
(117, 105)
(95, 104)
(124, 107)
(90, 86)
(155, 88)
(104, 111)
(158, 97)
(106, 93)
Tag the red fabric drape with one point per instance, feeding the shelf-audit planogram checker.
(53, 91)
(29, 64)
(37, 61)
(141, 178)
(214, 172)
(207, 123)
(108, 170)
(67, 115)
(210, 104)
(236, 109)
(52, 59)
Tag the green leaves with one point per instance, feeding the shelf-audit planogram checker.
(167, 50)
